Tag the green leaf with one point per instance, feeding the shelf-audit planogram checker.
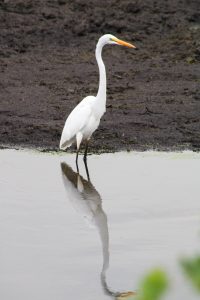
(153, 285)
(192, 270)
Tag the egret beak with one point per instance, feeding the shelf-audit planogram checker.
(120, 42)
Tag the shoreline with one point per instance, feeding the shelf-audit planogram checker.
(175, 149)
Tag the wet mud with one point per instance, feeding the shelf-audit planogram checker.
(47, 65)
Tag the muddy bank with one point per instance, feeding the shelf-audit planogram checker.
(47, 65)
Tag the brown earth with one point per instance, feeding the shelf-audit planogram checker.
(47, 65)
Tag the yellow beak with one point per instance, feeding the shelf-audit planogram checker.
(120, 42)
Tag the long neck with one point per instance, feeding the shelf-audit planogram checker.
(101, 95)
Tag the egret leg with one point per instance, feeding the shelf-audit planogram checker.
(85, 160)
(87, 170)
(79, 138)
(85, 153)
(77, 151)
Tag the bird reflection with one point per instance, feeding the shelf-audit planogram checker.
(87, 201)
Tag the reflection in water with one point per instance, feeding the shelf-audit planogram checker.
(87, 201)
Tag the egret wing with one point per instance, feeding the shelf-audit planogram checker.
(76, 121)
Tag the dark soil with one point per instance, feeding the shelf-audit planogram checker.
(47, 65)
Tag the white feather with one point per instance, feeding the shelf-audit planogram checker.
(85, 117)
(77, 121)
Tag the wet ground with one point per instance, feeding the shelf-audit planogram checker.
(47, 66)
(63, 237)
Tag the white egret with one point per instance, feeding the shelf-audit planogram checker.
(85, 117)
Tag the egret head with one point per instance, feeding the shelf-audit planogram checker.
(111, 39)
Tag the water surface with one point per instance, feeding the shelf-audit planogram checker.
(64, 237)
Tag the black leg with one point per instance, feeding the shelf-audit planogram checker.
(85, 160)
(77, 160)
(85, 153)
(87, 171)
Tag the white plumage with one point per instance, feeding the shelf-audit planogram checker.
(81, 120)
(85, 117)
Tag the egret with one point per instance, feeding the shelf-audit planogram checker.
(85, 117)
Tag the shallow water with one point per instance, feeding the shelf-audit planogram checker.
(63, 237)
